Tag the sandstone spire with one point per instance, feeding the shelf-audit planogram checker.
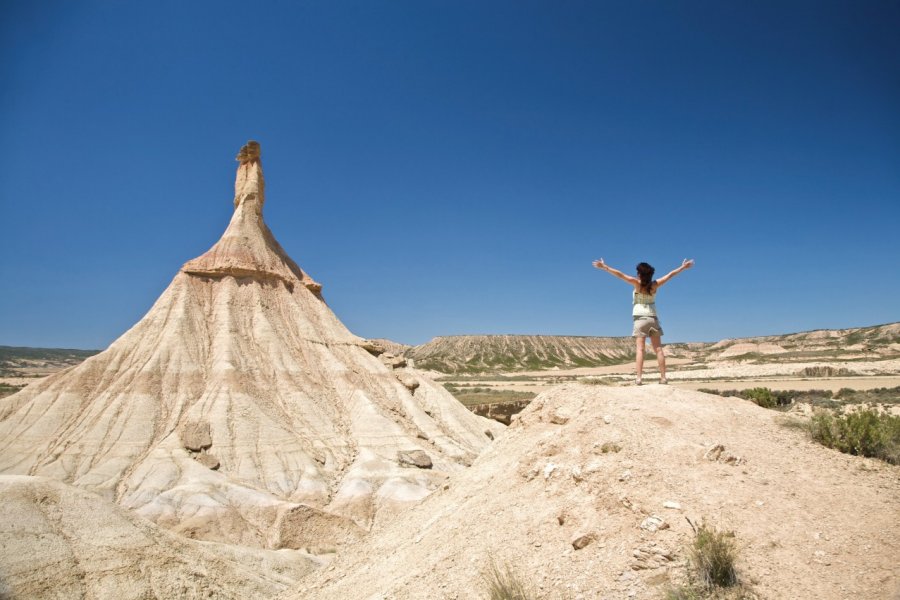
(240, 408)
(248, 248)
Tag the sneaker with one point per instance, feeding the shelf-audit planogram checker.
(663, 381)
(637, 382)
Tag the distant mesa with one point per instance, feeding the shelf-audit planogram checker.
(240, 401)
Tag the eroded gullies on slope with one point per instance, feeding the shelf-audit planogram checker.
(241, 410)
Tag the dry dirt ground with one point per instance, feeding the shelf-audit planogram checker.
(809, 522)
(688, 374)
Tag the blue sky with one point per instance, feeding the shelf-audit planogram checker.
(454, 167)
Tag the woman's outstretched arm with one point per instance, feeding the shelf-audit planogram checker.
(615, 272)
(686, 264)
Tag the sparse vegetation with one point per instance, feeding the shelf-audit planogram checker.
(825, 371)
(695, 591)
(8, 390)
(503, 583)
(762, 396)
(474, 395)
(713, 556)
(792, 423)
(608, 447)
(15, 361)
(864, 432)
(595, 381)
(816, 398)
(873, 396)
(712, 573)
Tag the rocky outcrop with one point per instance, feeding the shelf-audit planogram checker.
(62, 542)
(239, 398)
(248, 248)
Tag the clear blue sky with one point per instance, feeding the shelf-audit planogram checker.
(454, 167)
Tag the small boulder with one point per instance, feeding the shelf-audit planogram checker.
(414, 458)
(653, 524)
(582, 540)
(392, 361)
(717, 453)
(651, 557)
(196, 436)
(207, 460)
(559, 417)
(372, 347)
(714, 452)
(408, 381)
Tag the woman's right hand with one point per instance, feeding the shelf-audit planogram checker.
(600, 264)
(687, 263)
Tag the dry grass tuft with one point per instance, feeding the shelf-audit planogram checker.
(712, 574)
(713, 555)
(503, 583)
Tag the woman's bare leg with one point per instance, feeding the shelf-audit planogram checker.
(660, 356)
(639, 357)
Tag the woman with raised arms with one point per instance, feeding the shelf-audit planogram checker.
(646, 320)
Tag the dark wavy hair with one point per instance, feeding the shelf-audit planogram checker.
(645, 273)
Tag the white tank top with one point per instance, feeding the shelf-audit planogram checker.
(644, 305)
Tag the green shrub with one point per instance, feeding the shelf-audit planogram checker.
(503, 583)
(762, 397)
(8, 389)
(861, 432)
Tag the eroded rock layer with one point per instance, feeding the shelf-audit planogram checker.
(239, 399)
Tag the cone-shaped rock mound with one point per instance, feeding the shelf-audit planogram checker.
(241, 409)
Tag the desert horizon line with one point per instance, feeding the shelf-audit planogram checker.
(544, 335)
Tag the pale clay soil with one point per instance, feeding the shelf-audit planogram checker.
(809, 522)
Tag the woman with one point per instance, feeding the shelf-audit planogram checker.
(646, 321)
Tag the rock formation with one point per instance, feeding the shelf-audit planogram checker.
(240, 408)
(62, 542)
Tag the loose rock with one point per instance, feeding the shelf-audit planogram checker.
(196, 436)
(408, 381)
(414, 458)
(583, 539)
(654, 523)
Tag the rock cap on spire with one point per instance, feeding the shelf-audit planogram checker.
(248, 248)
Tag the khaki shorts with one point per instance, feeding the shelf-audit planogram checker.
(644, 326)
